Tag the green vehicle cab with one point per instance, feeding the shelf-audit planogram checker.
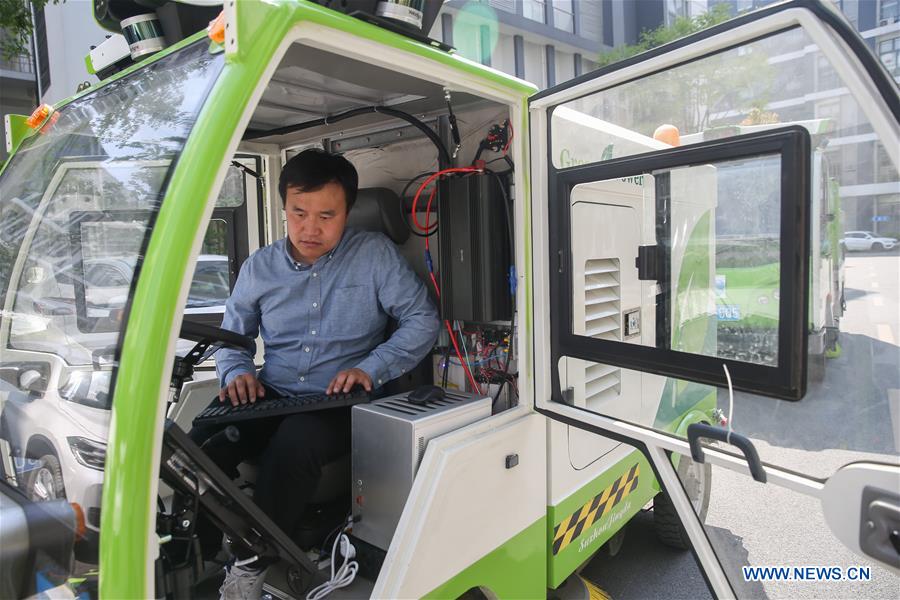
(128, 209)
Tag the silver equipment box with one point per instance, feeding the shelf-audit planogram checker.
(389, 440)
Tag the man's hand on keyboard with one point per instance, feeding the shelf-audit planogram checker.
(344, 381)
(242, 389)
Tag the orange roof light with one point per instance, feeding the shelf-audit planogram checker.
(216, 29)
(668, 134)
(39, 115)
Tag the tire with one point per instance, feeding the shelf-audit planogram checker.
(697, 481)
(46, 481)
(877, 247)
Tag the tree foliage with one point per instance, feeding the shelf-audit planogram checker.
(16, 25)
(718, 89)
(681, 27)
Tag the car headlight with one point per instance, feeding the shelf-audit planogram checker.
(90, 388)
(88, 452)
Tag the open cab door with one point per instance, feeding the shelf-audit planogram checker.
(674, 232)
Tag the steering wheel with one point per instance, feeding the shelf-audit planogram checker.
(209, 339)
(199, 332)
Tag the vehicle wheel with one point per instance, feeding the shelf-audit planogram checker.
(696, 479)
(877, 247)
(46, 482)
(614, 545)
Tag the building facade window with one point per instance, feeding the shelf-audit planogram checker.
(564, 15)
(889, 12)
(551, 65)
(536, 10)
(447, 29)
(519, 55)
(43, 57)
(889, 53)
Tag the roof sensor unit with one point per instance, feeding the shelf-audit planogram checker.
(408, 12)
(109, 57)
(144, 35)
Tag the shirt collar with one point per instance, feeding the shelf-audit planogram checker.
(322, 260)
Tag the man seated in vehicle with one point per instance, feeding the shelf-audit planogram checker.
(321, 299)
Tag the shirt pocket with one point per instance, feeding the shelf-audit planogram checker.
(353, 311)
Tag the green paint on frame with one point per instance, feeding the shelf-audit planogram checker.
(514, 570)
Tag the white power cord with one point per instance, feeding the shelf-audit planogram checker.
(343, 576)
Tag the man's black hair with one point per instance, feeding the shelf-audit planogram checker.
(312, 169)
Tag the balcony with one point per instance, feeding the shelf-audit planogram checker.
(18, 64)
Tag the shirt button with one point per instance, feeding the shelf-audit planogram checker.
(306, 349)
(315, 274)
(302, 378)
(315, 305)
(314, 332)
(379, 382)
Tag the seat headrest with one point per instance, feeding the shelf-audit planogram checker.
(378, 209)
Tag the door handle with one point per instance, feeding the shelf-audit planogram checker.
(879, 532)
(698, 431)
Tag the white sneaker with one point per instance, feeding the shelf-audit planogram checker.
(242, 583)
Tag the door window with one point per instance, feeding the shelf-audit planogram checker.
(669, 260)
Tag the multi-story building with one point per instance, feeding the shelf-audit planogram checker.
(870, 186)
(63, 34)
(18, 90)
(543, 41)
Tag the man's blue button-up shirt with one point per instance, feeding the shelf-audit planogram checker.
(319, 319)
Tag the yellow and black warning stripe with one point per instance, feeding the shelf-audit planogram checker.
(595, 509)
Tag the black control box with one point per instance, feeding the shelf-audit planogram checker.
(475, 250)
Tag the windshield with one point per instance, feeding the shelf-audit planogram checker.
(78, 202)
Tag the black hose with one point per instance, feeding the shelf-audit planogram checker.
(429, 133)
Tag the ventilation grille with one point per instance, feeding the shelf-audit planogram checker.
(401, 406)
(602, 320)
(602, 309)
(601, 383)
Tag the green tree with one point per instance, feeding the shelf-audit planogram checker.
(681, 27)
(690, 95)
(16, 25)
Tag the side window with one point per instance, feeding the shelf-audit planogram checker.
(225, 245)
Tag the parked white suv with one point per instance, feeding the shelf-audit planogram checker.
(866, 240)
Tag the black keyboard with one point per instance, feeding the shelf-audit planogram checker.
(275, 407)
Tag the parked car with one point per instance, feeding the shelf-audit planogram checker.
(866, 240)
(56, 431)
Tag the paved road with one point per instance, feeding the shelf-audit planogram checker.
(852, 415)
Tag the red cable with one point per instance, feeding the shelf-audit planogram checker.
(437, 290)
(459, 356)
(429, 180)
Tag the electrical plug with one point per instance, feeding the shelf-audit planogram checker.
(347, 549)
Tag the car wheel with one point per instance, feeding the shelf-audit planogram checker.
(877, 247)
(696, 478)
(46, 481)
